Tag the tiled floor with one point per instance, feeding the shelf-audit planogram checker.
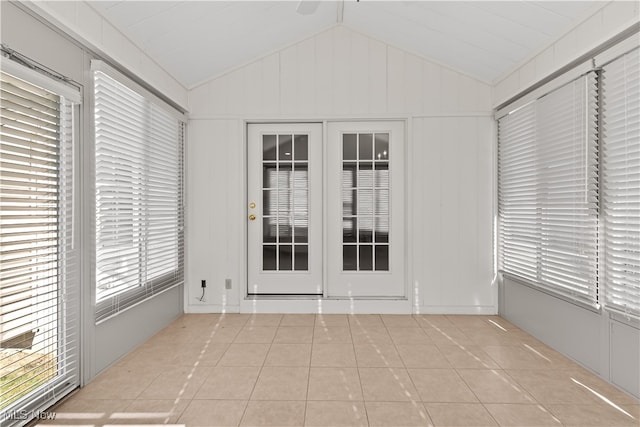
(340, 370)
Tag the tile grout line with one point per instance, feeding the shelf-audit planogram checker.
(355, 356)
(261, 367)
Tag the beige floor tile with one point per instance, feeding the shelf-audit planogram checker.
(335, 414)
(244, 355)
(298, 320)
(274, 413)
(370, 335)
(377, 356)
(365, 320)
(399, 321)
(333, 355)
(633, 410)
(176, 382)
(397, 414)
(409, 336)
(493, 337)
(494, 386)
(203, 354)
(502, 322)
(256, 334)
(332, 320)
(596, 386)
(147, 355)
(277, 383)
(467, 357)
(553, 386)
(331, 334)
(517, 415)
(294, 335)
(422, 356)
(472, 322)
(224, 334)
(151, 412)
(218, 413)
(454, 362)
(387, 385)
(229, 383)
(89, 412)
(233, 320)
(459, 415)
(334, 384)
(289, 355)
(196, 319)
(264, 320)
(593, 415)
(120, 383)
(441, 385)
(449, 336)
(527, 357)
(433, 321)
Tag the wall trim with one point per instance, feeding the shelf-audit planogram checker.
(458, 309)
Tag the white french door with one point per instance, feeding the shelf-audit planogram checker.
(353, 190)
(284, 209)
(365, 201)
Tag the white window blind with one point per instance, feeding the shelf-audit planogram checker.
(139, 197)
(39, 295)
(621, 182)
(548, 191)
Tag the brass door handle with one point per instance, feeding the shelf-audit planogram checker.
(252, 217)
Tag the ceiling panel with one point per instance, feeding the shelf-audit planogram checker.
(196, 40)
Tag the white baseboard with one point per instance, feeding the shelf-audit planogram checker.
(330, 306)
(457, 309)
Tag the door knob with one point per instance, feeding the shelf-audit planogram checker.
(252, 217)
(252, 205)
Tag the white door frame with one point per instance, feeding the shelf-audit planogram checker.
(324, 303)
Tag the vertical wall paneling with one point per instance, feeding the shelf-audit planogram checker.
(343, 74)
(413, 92)
(340, 62)
(377, 72)
(431, 88)
(359, 81)
(324, 71)
(395, 81)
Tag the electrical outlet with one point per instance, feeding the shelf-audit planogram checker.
(227, 283)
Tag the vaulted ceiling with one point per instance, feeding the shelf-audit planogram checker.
(197, 40)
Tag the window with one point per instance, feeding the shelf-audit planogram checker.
(620, 181)
(139, 194)
(38, 282)
(548, 191)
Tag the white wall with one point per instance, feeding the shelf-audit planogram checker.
(607, 22)
(79, 19)
(344, 74)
